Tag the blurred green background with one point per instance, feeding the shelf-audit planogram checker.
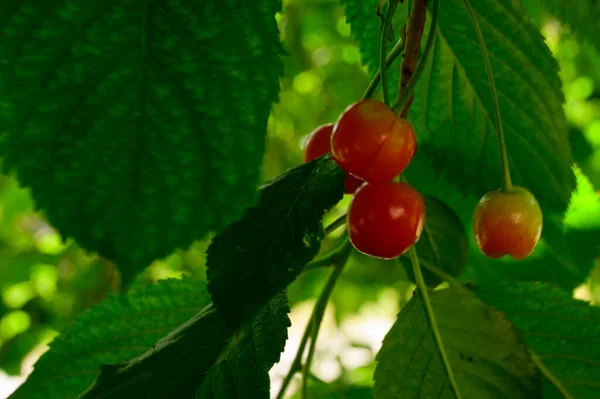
(45, 280)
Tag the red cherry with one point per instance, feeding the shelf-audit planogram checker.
(370, 142)
(385, 219)
(508, 223)
(319, 144)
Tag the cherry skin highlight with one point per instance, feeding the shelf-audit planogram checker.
(319, 144)
(508, 223)
(385, 219)
(371, 143)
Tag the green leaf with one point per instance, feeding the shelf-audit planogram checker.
(562, 332)
(484, 352)
(582, 19)
(443, 243)
(202, 358)
(138, 125)
(265, 251)
(120, 328)
(453, 113)
(241, 370)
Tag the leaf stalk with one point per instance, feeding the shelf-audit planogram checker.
(506, 180)
(414, 260)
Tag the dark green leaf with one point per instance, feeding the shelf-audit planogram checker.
(138, 125)
(563, 333)
(235, 364)
(262, 253)
(443, 243)
(241, 370)
(332, 391)
(485, 355)
(118, 329)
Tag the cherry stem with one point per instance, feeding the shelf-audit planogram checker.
(506, 180)
(414, 33)
(319, 312)
(385, 32)
(442, 274)
(414, 260)
(339, 222)
(405, 95)
(396, 51)
(313, 325)
(330, 258)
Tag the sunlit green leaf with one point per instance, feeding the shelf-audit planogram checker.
(118, 329)
(485, 355)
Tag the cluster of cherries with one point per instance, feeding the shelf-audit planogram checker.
(373, 146)
(386, 218)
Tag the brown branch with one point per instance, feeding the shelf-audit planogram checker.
(414, 33)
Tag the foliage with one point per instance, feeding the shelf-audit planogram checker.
(116, 330)
(136, 103)
(484, 352)
(269, 252)
(443, 245)
(135, 132)
(554, 326)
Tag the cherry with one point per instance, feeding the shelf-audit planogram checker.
(508, 223)
(370, 142)
(385, 219)
(319, 144)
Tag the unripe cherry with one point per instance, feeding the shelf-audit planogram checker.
(508, 223)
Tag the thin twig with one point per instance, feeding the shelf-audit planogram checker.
(414, 33)
(339, 222)
(315, 322)
(405, 98)
(385, 31)
(443, 275)
(330, 258)
(396, 51)
(316, 315)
